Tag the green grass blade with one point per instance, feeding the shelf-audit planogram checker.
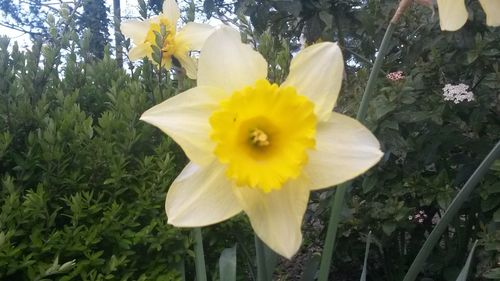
(227, 264)
(450, 213)
(367, 251)
(465, 270)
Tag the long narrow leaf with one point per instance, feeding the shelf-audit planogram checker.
(450, 213)
(271, 259)
(465, 270)
(261, 260)
(266, 260)
(367, 251)
(227, 264)
(311, 268)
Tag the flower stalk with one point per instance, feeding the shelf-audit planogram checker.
(331, 233)
(199, 261)
(338, 200)
(370, 86)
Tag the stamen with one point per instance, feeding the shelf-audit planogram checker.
(259, 138)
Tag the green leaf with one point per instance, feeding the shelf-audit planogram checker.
(311, 268)
(381, 106)
(209, 8)
(496, 216)
(369, 182)
(465, 270)
(496, 166)
(227, 264)
(492, 274)
(182, 270)
(143, 9)
(292, 7)
(472, 56)
(326, 18)
(388, 228)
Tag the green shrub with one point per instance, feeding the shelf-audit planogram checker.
(82, 178)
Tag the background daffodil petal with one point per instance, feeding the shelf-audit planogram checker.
(140, 51)
(344, 150)
(200, 196)
(228, 64)
(452, 14)
(185, 119)
(317, 72)
(171, 11)
(276, 217)
(492, 10)
(135, 30)
(188, 63)
(193, 35)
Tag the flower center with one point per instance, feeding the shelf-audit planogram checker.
(259, 138)
(262, 135)
(167, 47)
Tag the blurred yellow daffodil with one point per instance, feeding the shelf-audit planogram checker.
(453, 13)
(258, 147)
(175, 44)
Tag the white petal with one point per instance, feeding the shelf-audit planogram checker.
(171, 11)
(344, 150)
(452, 14)
(138, 52)
(276, 217)
(193, 35)
(317, 72)
(185, 119)
(200, 196)
(188, 63)
(135, 30)
(492, 10)
(228, 64)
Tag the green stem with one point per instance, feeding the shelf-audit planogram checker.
(333, 224)
(338, 200)
(450, 213)
(199, 256)
(160, 91)
(370, 86)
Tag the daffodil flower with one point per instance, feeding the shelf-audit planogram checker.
(453, 13)
(176, 44)
(258, 147)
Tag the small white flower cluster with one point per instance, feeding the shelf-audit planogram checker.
(419, 217)
(395, 76)
(457, 93)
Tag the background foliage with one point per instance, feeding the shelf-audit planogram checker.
(83, 179)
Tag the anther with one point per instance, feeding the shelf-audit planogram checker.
(259, 138)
